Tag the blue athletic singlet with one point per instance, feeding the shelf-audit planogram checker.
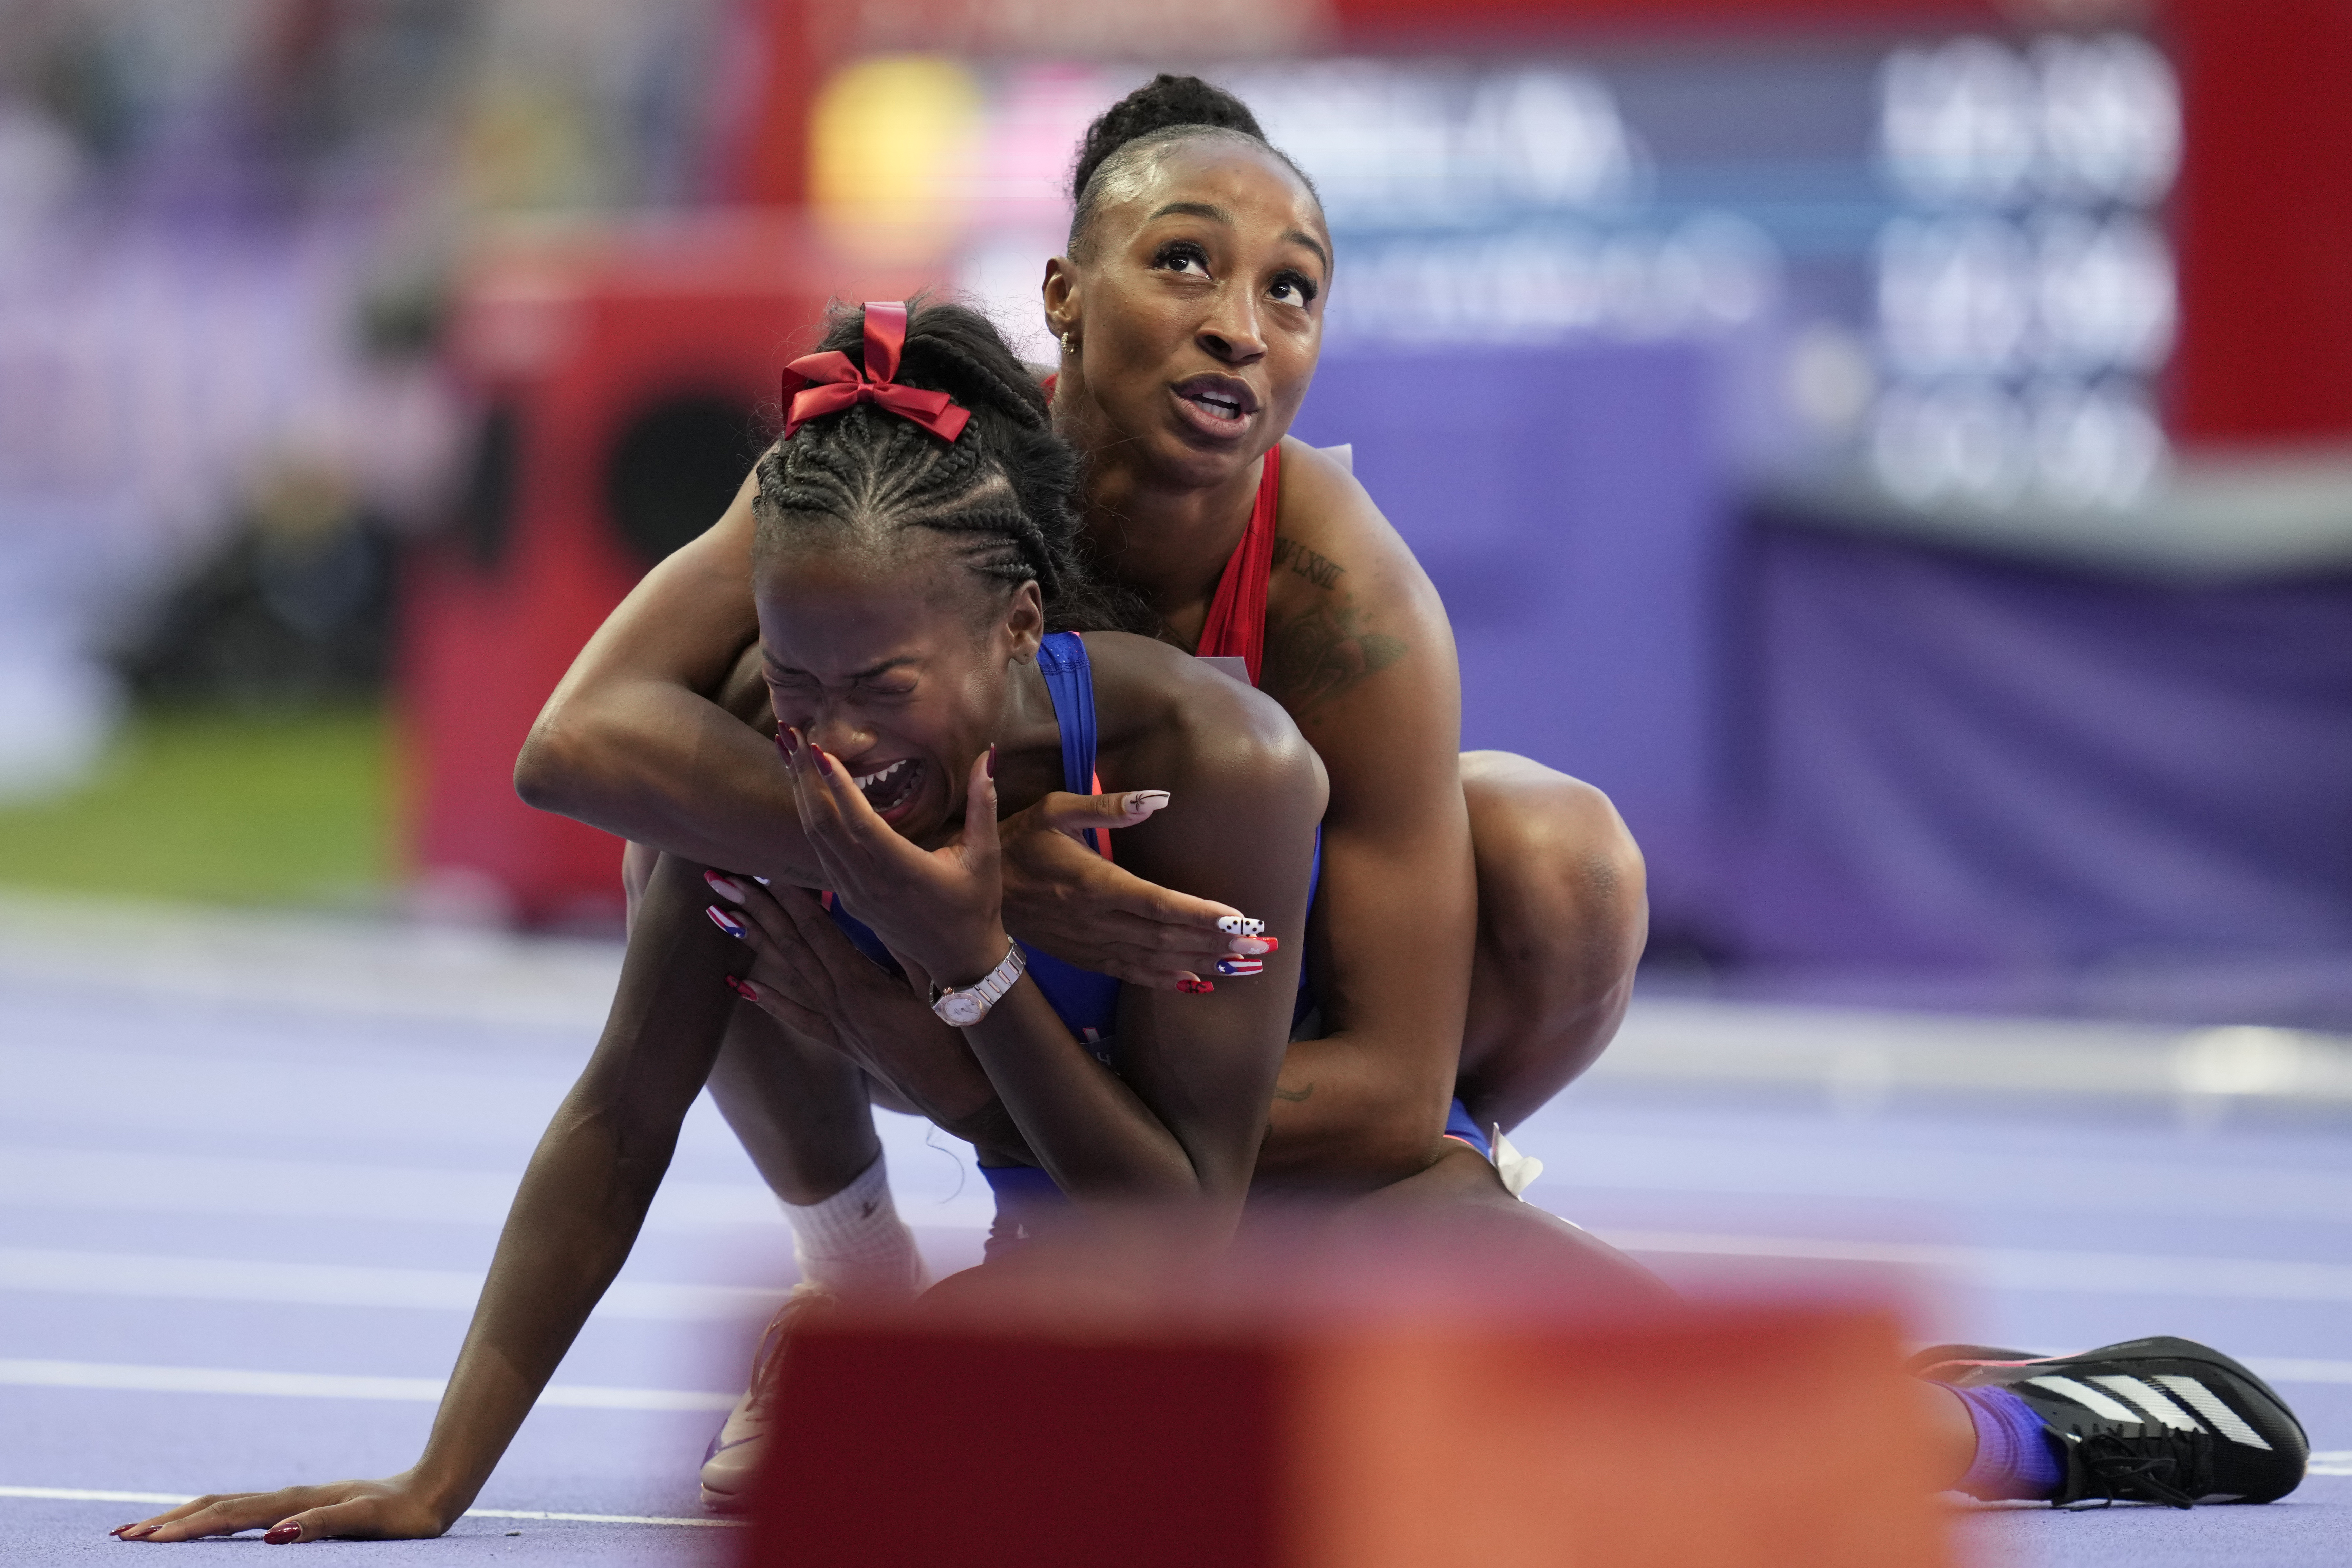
(1087, 1003)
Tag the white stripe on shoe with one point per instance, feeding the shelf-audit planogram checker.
(2226, 1421)
(2089, 1398)
(2151, 1400)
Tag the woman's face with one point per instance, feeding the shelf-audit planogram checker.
(1199, 315)
(899, 668)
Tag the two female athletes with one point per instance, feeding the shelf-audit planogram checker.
(1189, 312)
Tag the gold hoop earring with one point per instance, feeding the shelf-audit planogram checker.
(1069, 344)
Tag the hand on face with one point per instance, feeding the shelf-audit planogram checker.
(941, 908)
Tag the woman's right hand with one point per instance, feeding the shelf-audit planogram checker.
(1063, 896)
(353, 1511)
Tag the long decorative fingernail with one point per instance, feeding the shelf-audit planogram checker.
(824, 758)
(280, 1534)
(743, 988)
(724, 921)
(1144, 801)
(725, 887)
(1240, 925)
(1241, 966)
(992, 762)
(1195, 988)
(788, 740)
(1254, 945)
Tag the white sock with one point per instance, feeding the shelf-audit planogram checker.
(854, 1244)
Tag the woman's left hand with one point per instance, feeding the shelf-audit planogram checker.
(942, 908)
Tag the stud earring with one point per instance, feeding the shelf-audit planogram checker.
(1069, 343)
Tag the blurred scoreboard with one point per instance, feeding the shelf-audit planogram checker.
(1941, 262)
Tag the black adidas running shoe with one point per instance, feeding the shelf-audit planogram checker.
(2158, 1420)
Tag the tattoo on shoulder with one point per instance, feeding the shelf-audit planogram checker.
(1319, 570)
(1314, 656)
(1294, 1095)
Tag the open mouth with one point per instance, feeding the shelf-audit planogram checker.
(888, 787)
(1220, 402)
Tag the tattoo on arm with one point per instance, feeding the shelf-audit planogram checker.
(1294, 1095)
(1312, 657)
(1319, 570)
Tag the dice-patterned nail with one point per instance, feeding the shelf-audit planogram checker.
(1240, 925)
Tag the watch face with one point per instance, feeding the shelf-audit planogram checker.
(961, 1008)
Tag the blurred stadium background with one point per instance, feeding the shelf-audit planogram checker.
(1898, 447)
(1901, 449)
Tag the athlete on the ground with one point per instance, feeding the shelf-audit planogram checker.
(903, 579)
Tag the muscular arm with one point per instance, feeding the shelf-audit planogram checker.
(572, 1222)
(584, 1194)
(1359, 650)
(1185, 1112)
(633, 742)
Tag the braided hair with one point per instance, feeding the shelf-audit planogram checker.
(1165, 109)
(1006, 488)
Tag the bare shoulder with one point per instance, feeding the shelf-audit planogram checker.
(1347, 602)
(1159, 709)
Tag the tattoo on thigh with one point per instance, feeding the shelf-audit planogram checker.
(1294, 1095)
(1313, 658)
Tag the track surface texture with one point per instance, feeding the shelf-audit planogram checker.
(250, 1170)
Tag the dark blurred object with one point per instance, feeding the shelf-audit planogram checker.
(295, 608)
(625, 373)
(1418, 1404)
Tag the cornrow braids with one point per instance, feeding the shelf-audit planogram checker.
(1006, 488)
(1166, 110)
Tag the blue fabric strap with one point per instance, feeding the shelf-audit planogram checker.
(1070, 681)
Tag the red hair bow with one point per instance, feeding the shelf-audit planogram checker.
(817, 385)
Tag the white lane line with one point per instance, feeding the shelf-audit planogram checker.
(111, 1180)
(340, 1285)
(136, 1379)
(2330, 1462)
(451, 1289)
(2017, 1268)
(173, 1499)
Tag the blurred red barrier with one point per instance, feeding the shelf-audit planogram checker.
(626, 374)
(1729, 1436)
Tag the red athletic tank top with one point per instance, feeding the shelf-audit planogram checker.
(1237, 623)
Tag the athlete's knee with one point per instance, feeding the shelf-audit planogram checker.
(1561, 884)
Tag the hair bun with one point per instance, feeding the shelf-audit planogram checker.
(1158, 104)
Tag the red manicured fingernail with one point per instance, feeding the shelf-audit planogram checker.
(992, 762)
(723, 921)
(283, 1533)
(824, 761)
(725, 887)
(1195, 988)
(743, 988)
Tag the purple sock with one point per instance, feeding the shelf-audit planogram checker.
(2016, 1457)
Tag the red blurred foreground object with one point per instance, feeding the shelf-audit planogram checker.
(1727, 1436)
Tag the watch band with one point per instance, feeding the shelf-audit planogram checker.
(965, 1006)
